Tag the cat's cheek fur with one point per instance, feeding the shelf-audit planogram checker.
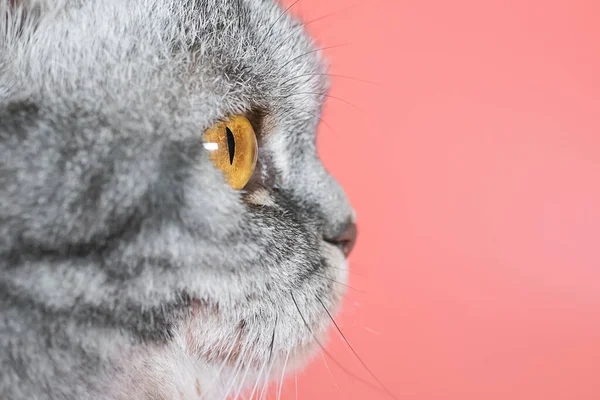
(197, 363)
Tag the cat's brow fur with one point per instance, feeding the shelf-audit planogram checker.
(129, 269)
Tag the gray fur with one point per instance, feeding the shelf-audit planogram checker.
(129, 269)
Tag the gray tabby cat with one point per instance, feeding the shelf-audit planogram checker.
(130, 266)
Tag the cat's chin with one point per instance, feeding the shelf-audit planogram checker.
(197, 362)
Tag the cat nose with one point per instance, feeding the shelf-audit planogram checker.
(346, 240)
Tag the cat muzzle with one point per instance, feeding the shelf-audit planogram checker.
(346, 240)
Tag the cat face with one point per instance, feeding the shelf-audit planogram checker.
(285, 269)
(220, 282)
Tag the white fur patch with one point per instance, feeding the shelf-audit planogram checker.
(260, 197)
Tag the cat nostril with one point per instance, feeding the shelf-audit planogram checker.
(346, 240)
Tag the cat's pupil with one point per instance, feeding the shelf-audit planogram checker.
(230, 144)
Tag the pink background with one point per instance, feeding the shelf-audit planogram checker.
(474, 166)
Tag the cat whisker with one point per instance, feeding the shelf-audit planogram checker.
(273, 338)
(267, 362)
(337, 363)
(304, 24)
(333, 76)
(332, 14)
(354, 351)
(313, 51)
(232, 380)
(351, 272)
(265, 380)
(322, 94)
(239, 365)
(224, 363)
(242, 381)
(281, 44)
(370, 330)
(263, 391)
(258, 379)
(320, 119)
(280, 386)
(329, 371)
(280, 16)
(340, 283)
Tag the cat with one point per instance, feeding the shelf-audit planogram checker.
(131, 267)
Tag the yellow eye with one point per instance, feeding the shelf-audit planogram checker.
(233, 149)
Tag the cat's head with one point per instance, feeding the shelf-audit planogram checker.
(262, 266)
